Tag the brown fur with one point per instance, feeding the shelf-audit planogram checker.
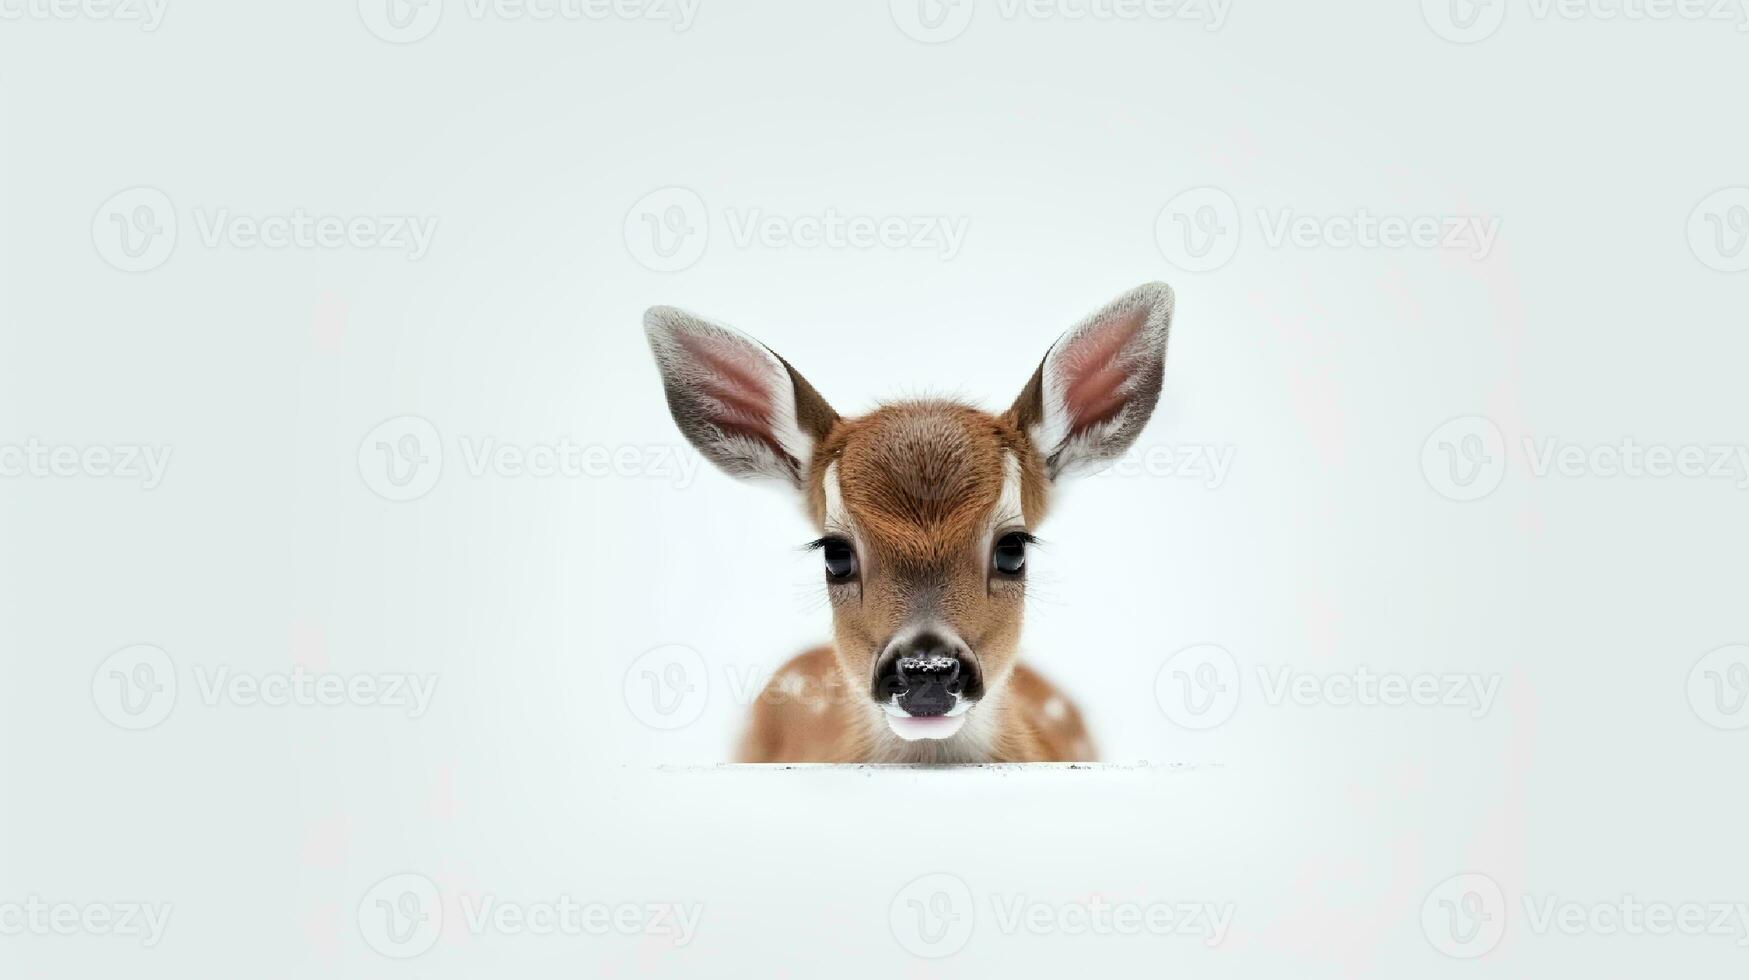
(920, 481)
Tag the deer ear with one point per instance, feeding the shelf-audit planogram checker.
(743, 407)
(1090, 398)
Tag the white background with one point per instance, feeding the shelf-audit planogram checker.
(1608, 307)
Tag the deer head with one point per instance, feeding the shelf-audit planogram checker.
(925, 508)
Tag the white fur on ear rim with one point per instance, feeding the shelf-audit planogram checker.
(1099, 383)
(738, 403)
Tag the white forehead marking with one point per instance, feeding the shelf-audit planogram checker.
(1008, 509)
(837, 518)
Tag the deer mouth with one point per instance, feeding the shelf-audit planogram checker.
(912, 727)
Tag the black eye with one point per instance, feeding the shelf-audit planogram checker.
(840, 558)
(1010, 556)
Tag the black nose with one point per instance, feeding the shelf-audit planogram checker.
(925, 674)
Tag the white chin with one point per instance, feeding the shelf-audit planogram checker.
(937, 726)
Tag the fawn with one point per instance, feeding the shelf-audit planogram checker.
(925, 510)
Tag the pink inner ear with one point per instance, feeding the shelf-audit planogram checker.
(1095, 377)
(738, 380)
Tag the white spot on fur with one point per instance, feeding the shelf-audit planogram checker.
(792, 684)
(836, 516)
(1056, 710)
(1008, 510)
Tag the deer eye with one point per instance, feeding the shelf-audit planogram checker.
(1010, 555)
(840, 559)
